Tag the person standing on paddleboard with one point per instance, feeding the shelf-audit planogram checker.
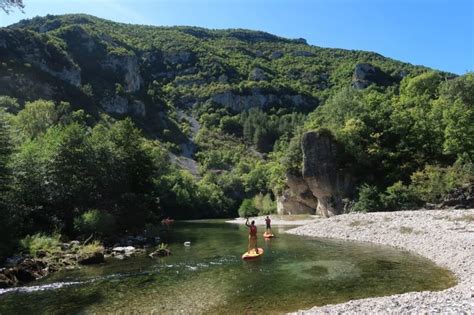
(252, 235)
(268, 222)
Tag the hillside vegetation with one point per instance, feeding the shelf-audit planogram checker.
(109, 124)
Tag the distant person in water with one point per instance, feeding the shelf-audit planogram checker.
(252, 235)
(268, 222)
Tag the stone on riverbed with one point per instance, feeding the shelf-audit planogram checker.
(7, 278)
(126, 250)
(30, 270)
(96, 257)
(160, 253)
(25, 271)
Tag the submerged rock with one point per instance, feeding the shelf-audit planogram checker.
(125, 251)
(160, 252)
(96, 257)
(7, 278)
(29, 270)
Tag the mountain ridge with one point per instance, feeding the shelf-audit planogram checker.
(151, 63)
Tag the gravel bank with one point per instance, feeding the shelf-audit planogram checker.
(288, 220)
(444, 236)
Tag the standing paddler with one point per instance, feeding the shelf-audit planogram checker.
(252, 235)
(268, 222)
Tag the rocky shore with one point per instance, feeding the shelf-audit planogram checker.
(444, 236)
(289, 220)
(24, 268)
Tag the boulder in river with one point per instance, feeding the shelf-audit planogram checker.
(7, 278)
(95, 257)
(29, 270)
(162, 251)
(125, 250)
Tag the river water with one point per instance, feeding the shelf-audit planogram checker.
(210, 277)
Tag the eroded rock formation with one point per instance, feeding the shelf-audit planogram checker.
(329, 181)
(260, 99)
(366, 74)
(298, 198)
(325, 184)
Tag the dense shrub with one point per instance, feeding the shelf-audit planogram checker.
(368, 199)
(247, 209)
(399, 196)
(41, 242)
(95, 222)
(433, 182)
(264, 204)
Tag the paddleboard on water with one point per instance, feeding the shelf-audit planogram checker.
(268, 235)
(252, 254)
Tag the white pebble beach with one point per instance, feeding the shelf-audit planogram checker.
(446, 237)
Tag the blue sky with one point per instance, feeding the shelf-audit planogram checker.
(435, 33)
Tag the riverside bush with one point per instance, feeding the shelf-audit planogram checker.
(95, 221)
(247, 209)
(399, 196)
(264, 204)
(41, 242)
(368, 200)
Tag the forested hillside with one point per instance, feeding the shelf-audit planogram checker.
(107, 127)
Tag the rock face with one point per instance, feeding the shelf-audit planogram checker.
(298, 198)
(325, 185)
(121, 106)
(366, 74)
(302, 53)
(257, 74)
(257, 98)
(178, 57)
(127, 67)
(327, 180)
(45, 56)
(461, 198)
(276, 55)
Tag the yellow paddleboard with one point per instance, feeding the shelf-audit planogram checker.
(268, 235)
(252, 254)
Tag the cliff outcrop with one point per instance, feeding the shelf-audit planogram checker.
(325, 183)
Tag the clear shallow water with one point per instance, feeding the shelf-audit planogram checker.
(210, 277)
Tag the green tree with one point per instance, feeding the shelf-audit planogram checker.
(247, 209)
(8, 5)
(8, 224)
(36, 117)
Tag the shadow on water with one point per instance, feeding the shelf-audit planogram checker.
(210, 277)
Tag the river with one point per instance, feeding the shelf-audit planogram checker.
(210, 277)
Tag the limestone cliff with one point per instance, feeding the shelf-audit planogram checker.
(298, 198)
(325, 184)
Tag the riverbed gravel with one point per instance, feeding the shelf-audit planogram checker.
(282, 220)
(444, 236)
